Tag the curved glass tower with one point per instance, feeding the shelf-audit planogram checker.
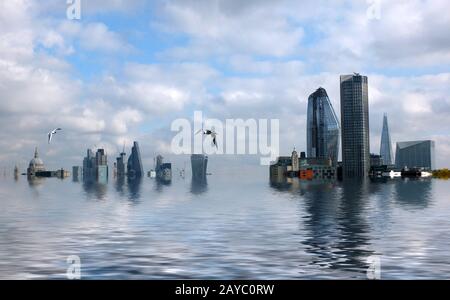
(322, 127)
(386, 145)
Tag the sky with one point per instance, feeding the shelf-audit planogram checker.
(127, 68)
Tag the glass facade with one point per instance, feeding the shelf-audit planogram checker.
(386, 145)
(355, 126)
(322, 127)
(415, 154)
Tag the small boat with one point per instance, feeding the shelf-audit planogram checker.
(426, 174)
(392, 174)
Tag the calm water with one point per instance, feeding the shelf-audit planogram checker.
(237, 226)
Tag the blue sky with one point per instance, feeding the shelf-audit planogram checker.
(127, 69)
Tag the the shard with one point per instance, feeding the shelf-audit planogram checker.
(322, 127)
(386, 145)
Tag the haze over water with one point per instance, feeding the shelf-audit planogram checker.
(238, 226)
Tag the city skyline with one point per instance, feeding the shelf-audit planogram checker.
(124, 72)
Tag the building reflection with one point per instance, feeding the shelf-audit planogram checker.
(413, 193)
(353, 244)
(199, 185)
(335, 229)
(160, 183)
(95, 189)
(134, 188)
(119, 185)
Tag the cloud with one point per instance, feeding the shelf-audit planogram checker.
(231, 59)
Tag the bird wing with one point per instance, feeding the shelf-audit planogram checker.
(215, 143)
(199, 131)
(50, 137)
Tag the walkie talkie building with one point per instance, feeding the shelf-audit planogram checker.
(322, 127)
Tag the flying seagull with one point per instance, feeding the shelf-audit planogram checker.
(51, 133)
(211, 132)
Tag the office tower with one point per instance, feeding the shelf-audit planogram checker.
(376, 160)
(121, 167)
(295, 164)
(95, 167)
(386, 145)
(355, 125)
(134, 166)
(77, 172)
(101, 167)
(199, 164)
(88, 165)
(322, 127)
(415, 154)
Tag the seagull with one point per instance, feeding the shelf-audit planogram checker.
(212, 133)
(51, 133)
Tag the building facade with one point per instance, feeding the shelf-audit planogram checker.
(134, 166)
(95, 167)
(415, 154)
(386, 145)
(35, 165)
(322, 127)
(355, 125)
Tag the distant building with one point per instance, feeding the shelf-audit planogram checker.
(77, 172)
(305, 168)
(376, 160)
(134, 167)
(163, 170)
(415, 154)
(121, 167)
(199, 166)
(295, 162)
(95, 167)
(355, 125)
(317, 168)
(386, 145)
(322, 127)
(36, 164)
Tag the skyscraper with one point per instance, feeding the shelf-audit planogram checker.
(322, 127)
(120, 164)
(386, 145)
(134, 162)
(355, 125)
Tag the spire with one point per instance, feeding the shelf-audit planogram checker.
(36, 155)
(386, 145)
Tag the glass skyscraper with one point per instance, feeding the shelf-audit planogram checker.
(355, 126)
(386, 145)
(322, 127)
(134, 166)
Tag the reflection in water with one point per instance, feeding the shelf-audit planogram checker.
(95, 189)
(134, 188)
(338, 233)
(199, 186)
(246, 228)
(414, 193)
(354, 241)
(160, 183)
